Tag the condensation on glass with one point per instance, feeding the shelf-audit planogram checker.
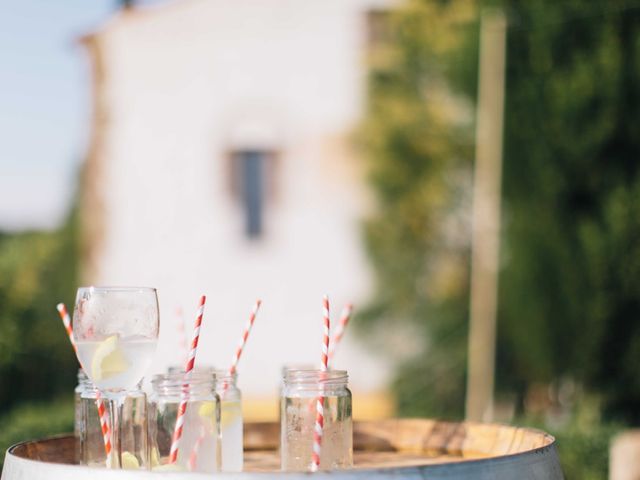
(302, 389)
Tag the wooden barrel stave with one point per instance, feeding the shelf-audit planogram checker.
(387, 449)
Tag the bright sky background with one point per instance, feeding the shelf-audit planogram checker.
(44, 106)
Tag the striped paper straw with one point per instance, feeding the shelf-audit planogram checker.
(182, 408)
(193, 458)
(242, 343)
(345, 316)
(319, 425)
(102, 411)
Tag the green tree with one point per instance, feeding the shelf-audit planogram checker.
(570, 275)
(37, 270)
(417, 139)
(570, 293)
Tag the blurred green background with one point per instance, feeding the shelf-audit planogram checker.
(568, 335)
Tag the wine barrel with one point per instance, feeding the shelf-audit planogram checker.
(387, 449)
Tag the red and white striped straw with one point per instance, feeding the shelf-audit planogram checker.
(182, 408)
(324, 362)
(66, 320)
(193, 458)
(242, 343)
(345, 316)
(102, 411)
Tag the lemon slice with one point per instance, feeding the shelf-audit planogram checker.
(155, 457)
(207, 409)
(129, 461)
(108, 360)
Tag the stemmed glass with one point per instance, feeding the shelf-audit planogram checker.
(116, 331)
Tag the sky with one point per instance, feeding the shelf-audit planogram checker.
(44, 106)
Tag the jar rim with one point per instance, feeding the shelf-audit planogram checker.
(179, 379)
(224, 375)
(316, 376)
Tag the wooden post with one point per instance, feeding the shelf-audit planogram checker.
(486, 218)
(624, 456)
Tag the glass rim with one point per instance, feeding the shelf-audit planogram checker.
(178, 380)
(307, 376)
(116, 288)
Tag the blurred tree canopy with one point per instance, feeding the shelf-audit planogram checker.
(570, 286)
(417, 136)
(37, 270)
(570, 273)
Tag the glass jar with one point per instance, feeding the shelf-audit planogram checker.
(199, 447)
(231, 426)
(83, 384)
(302, 389)
(133, 429)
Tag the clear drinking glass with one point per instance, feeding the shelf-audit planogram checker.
(301, 391)
(116, 330)
(200, 441)
(231, 425)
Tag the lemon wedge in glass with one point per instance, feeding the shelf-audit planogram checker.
(129, 461)
(108, 360)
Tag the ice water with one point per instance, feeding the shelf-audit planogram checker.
(199, 444)
(231, 433)
(114, 363)
(298, 422)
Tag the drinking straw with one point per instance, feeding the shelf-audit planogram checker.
(319, 425)
(182, 408)
(345, 316)
(241, 344)
(102, 411)
(193, 458)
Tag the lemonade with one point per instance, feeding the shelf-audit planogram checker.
(231, 428)
(231, 432)
(115, 363)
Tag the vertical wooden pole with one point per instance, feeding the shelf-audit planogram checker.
(486, 218)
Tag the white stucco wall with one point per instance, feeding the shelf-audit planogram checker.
(184, 84)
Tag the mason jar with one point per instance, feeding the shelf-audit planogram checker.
(133, 429)
(231, 426)
(199, 445)
(83, 384)
(301, 392)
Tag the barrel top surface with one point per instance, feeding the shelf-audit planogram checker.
(396, 448)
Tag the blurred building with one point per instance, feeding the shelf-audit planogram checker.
(221, 162)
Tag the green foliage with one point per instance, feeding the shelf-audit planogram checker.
(570, 288)
(37, 270)
(35, 420)
(570, 278)
(417, 137)
(583, 441)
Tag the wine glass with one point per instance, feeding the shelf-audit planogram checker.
(116, 330)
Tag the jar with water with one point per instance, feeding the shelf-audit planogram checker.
(133, 428)
(199, 446)
(231, 426)
(300, 394)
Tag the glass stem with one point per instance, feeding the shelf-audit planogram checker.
(115, 405)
